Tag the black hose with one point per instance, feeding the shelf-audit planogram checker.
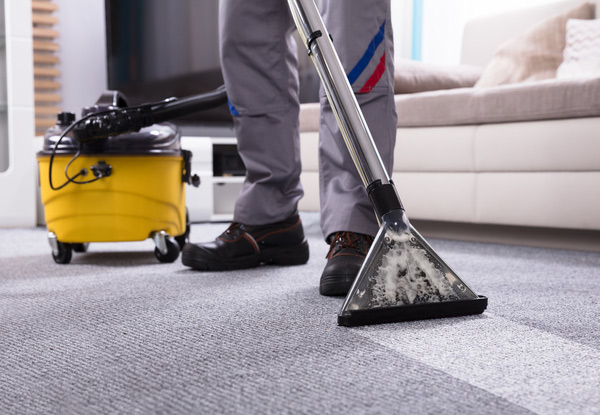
(189, 105)
(132, 119)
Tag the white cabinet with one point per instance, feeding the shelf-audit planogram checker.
(17, 166)
(216, 162)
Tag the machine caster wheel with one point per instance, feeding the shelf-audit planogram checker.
(172, 252)
(64, 255)
(80, 247)
(166, 250)
(185, 237)
(61, 252)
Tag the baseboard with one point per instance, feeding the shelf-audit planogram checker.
(571, 239)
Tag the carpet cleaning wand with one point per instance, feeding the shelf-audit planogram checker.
(402, 277)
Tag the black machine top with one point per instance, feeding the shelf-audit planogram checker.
(110, 126)
(161, 138)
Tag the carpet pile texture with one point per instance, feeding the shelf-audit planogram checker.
(117, 332)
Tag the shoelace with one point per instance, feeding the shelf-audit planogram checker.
(234, 228)
(352, 240)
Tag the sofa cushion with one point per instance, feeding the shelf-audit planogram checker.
(582, 52)
(414, 76)
(545, 199)
(542, 100)
(536, 146)
(536, 54)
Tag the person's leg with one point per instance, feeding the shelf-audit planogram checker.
(363, 38)
(259, 64)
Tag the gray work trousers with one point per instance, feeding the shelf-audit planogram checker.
(259, 63)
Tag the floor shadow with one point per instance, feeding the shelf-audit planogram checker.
(115, 259)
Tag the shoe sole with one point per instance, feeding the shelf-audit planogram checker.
(199, 260)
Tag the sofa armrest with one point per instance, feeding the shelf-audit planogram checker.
(413, 76)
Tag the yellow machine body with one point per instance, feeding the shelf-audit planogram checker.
(142, 195)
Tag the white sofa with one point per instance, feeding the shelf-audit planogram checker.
(468, 159)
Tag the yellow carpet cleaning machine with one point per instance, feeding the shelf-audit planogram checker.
(118, 174)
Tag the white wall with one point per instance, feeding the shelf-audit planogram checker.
(82, 52)
(402, 14)
(17, 180)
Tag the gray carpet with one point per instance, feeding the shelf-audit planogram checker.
(116, 332)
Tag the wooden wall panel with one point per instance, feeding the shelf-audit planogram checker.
(46, 63)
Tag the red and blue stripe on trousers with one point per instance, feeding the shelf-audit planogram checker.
(360, 66)
(365, 60)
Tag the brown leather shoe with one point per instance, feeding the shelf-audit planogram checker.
(347, 253)
(248, 246)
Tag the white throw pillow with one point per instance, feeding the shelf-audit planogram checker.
(581, 57)
(534, 55)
